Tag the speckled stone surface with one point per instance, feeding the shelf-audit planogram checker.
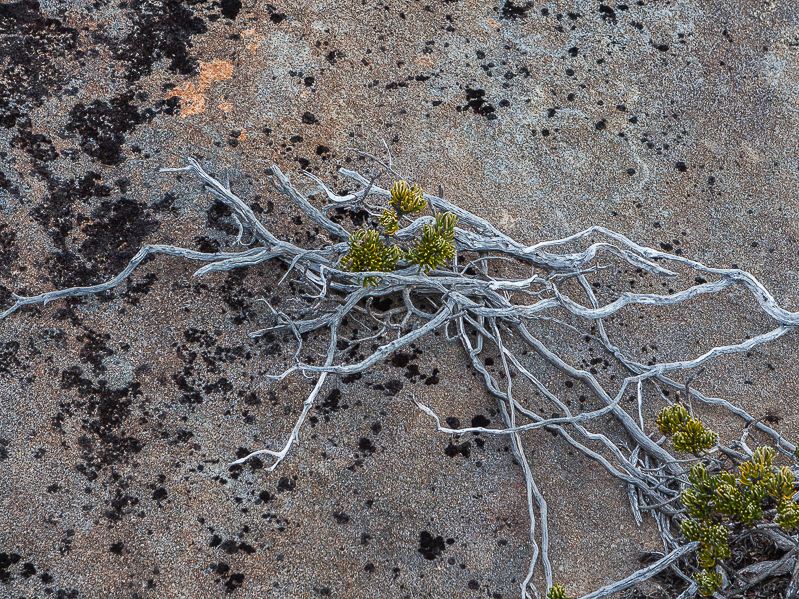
(673, 122)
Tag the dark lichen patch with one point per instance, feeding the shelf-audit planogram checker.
(286, 484)
(429, 546)
(365, 445)
(8, 250)
(218, 217)
(95, 349)
(7, 185)
(475, 100)
(102, 127)
(103, 413)
(32, 43)
(513, 11)
(133, 290)
(116, 234)
(160, 29)
(331, 403)
(121, 504)
(37, 145)
(464, 449)
(6, 561)
(8, 356)
(230, 8)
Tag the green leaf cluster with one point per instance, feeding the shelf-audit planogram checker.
(407, 200)
(557, 592)
(368, 252)
(436, 246)
(707, 581)
(687, 433)
(712, 500)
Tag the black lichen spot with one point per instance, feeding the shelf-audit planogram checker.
(481, 421)
(286, 484)
(475, 99)
(8, 356)
(160, 29)
(512, 11)
(28, 570)
(464, 449)
(392, 387)
(234, 582)
(700, 280)
(102, 127)
(662, 47)
(160, 493)
(216, 541)
(681, 166)
(309, 119)
(601, 125)
(341, 517)
(165, 204)
(429, 546)
(117, 548)
(331, 402)
(230, 8)
(218, 217)
(453, 422)
(229, 547)
(37, 145)
(400, 360)
(433, 378)
(106, 411)
(365, 444)
(607, 13)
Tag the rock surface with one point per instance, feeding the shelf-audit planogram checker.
(673, 122)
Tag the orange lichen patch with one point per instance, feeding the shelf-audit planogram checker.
(192, 93)
(225, 106)
(253, 40)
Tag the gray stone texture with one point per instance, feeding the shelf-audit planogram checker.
(672, 122)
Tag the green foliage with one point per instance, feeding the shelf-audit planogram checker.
(712, 541)
(688, 433)
(557, 592)
(407, 200)
(389, 221)
(436, 246)
(708, 581)
(369, 253)
(712, 500)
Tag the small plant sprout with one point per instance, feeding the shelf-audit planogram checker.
(688, 433)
